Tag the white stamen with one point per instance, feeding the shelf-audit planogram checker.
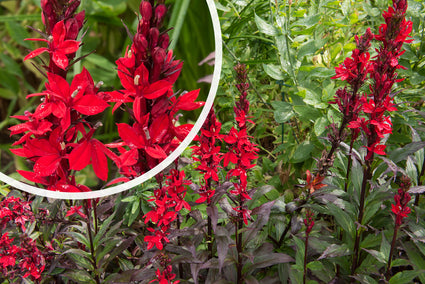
(136, 80)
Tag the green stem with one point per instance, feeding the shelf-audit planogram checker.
(89, 230)
(388, 273)
(349, 164)
(356, 250)
(305, 260)
(238, 228)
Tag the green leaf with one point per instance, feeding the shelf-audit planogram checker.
(18, 33)
(101, 62)
(102, 230)
(109, 246)
(9, 81)
(342, 218)
(335, 250)
(11, 65)
(79, 238)
(18, 18)
(308, 22)
(265, 27)
(405, 277)
(80, 261)
(273, 71)
(307, 113)
(283, 111)
(400, 262)
(303, 152)
(411, 170)
(80, 276)
(316, 266)
(401, 154)
(306, 49)
(378, 255)
(320, 125)
(7, 94)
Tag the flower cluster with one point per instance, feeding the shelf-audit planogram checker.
(314, 183)
(401, 199)
(58, 136)
(354, 70)
(147, 74)
(168, 201)
(242, 152)
(19, 256)
(309, 221)
(167, 275)
(62, 28)
(392, 35)
(209, 155)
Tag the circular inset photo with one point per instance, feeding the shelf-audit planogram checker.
(109, 95)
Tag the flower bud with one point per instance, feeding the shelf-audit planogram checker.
(164, 41)
(158, 61)
(73, 6)
(72, 29)
(146, 11)
(160, 12)
(140, 44)
(153, 37)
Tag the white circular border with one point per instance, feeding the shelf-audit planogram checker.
(161, 166)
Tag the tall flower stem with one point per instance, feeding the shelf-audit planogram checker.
(305, 259)
(366, 176)
(309, 223)
(238, 236)
(401, 211)
(89, 231)
(388, 273)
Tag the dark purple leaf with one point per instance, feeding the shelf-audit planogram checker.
(335, 250)
(417, 189)
(212, 212)
(270, 259)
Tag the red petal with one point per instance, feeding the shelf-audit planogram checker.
(35, 53)
(60, 59)
(159, 128)
(69, 46)
(47, 165)
(130, 136)
(99, 161)
(79, 158)
(59, 86)
(19, 152)
(129, 158)
(157, 89)
(156, 152)
(117, 180)
(59, 32)
(187, 101)
(90, 105)
(32, 177)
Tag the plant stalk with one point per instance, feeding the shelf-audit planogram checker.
(388, 273)
(356, 250)
(89, 231)
(305, 259)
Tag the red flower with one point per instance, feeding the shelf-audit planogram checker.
(59, 47)
(314, 182)
(76, 210)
